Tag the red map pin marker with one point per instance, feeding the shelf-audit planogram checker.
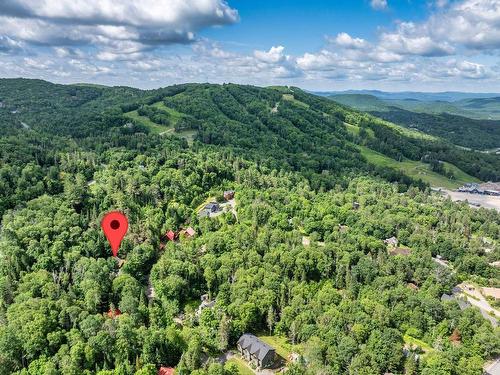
(114, 225)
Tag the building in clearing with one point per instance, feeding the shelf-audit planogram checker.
(229, 194)
(491, 292)
(171, 235)
(212, 207)
(209, 208)
(189, 232)
(256, 351)
(393, 241)
(206, 303)
(462, 304)
(113, 312)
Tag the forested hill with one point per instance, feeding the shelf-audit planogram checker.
(282, 127)
(297, 257)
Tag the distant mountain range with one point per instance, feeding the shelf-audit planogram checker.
(476, 106)
(447, 96)
(468, 122)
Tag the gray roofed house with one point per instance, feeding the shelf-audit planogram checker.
(208, 209)
(256, 351)
(393, 241)
(212, 207)
(461, 303)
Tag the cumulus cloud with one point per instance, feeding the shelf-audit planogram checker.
(474, 24)
(273, 56)
(98, 40)
(128, 26)
(347, 41)
(467, 69)
(378, 4)
(409, 39)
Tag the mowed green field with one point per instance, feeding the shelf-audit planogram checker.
(243, 368)
(283, 347)
(419, 170)
(174, 115)
(414, 341)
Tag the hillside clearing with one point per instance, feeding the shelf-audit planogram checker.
(419, 170)
(152, 126)
(188, 134)
(174, 115)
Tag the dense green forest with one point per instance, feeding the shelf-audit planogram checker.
(302, 261)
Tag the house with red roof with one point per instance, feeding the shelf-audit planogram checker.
(113, 313)
(165, 371)
(171, 235)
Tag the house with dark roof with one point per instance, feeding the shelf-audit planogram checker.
(256, 351)
(210, 208)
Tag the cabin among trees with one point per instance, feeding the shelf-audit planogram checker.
(256, 351)
(187, 233)
(210, 208)
(391, 242)
(165, 371)
(228, 194)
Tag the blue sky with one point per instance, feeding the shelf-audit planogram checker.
(426, 45)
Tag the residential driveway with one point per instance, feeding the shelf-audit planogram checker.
(230, 205)
(475, 298)
(265, 372)
(224, 357)
(493, 368)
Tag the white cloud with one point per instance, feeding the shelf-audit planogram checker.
(324, 60)
(111, 25)
(347, 41)
(378, 4)
(94, 41)
(63, 52)
(410, 40)
(474, 24)
(467, 69)
(273, 56)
